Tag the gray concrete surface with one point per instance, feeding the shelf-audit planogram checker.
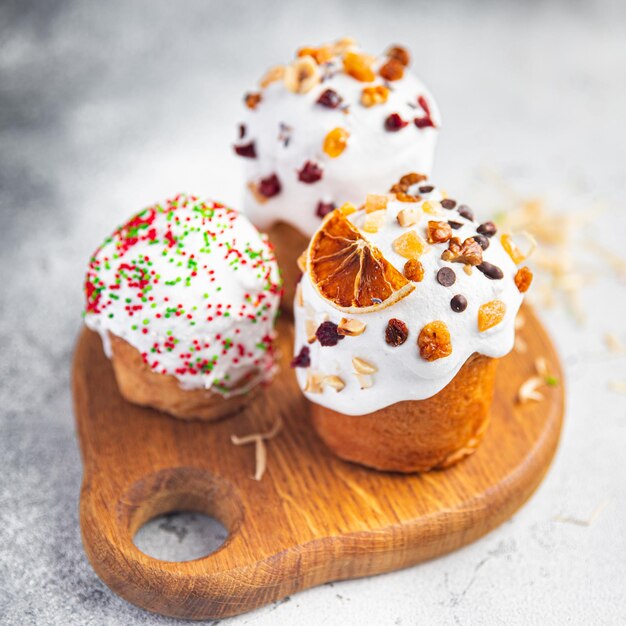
(107, 106)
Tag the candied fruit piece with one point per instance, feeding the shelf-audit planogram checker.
(409, 245)
(359, 66)
(523, 278)
(370, 96)
(336, 142)
(490, 314)
(511, 249)
(438, 232)
(373, 221)
(272, 75)
(408, 217)
(323, 54)
(434, 341)
(414, 270)
(374, 202)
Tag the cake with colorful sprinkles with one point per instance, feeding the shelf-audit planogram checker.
(185, 296)
(321, 130)
(405, 305)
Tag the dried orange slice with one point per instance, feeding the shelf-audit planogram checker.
(350, 272)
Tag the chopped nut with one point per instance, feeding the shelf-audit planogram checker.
(302, 75)
(490, 314)
(408, 217)
(438, 232)
(365, 381)
(336, 142)
(272, 75)
(396, 332)
(399, 53)
(359, 66)
(523, 278)
(252, 100)
(528, 390)
(371, 96)
(373, 221)
(347, 208)
(323, 54)
(299, 299)
(392, 70)
(468, 252)
(375, 202)
(343, 45)
(313, 382)
(310, 327)
(350, 327)
(434, 341)
(334, 381)
(409, 245)
(414, 270)
(467, 269)
(302, 261)
(361, 366)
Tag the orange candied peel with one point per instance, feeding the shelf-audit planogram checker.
(374, 202)
(322, 54)
(359, 66)
(490, 314)
(335, 142)
(511, 249)
(371, 96)
(434, 341)
(523, 278)
(349, 271)
(409, 245)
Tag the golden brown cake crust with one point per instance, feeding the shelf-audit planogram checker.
(289, 244)
(140, 385)
(416, 435)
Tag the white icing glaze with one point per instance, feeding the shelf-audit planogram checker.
(402, 373)
(195, 288)
(372, 159)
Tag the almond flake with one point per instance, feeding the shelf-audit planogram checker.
(310, 327)
(365, 381)
(361, 366)
(313, 382)
(299, 299)
(334, 381)
(528, 390)
(520, 345)
(408, 217)
(350, 327)
(541, 366)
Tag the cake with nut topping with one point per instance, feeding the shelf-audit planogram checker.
(184, 296)
(323, 128)
(404, 307)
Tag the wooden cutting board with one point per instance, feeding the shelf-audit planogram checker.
(312, 518)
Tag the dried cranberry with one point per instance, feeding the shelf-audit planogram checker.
(303, 358)
(327, 334)
(324, 208)
(246, 150)
(270, 186)
(330, 99)
(426, 120)
(311, 172)
(394, 123)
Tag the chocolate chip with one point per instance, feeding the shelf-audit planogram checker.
(327, 334)
(311, 172)
(447, 203)
(303, 358)
(394, 123)
(482, 241)
(466, 212)
(459, 303)
(490, 270)
(426, 189)
(446, 276)
(324, 208)
(247, 150)
(488, 229)
(455, 225)
(270, 186)
(396, 332)
(330, 99)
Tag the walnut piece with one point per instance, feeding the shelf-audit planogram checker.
(468, 252)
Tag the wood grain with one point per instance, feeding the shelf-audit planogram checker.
(313, 518)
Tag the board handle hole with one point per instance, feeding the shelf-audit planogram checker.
(180, 514)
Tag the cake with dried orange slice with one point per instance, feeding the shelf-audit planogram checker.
(324, 127)
(404, 308)
(184, 296)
